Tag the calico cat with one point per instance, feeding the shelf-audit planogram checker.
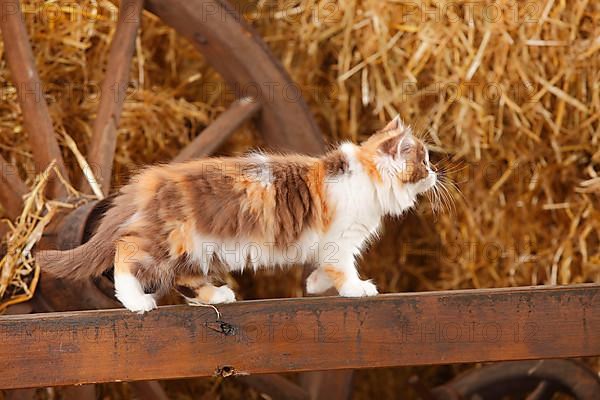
(177, 225)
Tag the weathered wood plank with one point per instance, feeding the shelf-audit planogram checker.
(301, 334)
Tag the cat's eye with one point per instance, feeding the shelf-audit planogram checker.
(405, 148)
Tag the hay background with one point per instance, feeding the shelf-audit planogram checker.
(510, 92)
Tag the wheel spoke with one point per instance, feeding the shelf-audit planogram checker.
(236, 51)
(543, 391)
(36, 117)
(104, 134)
(12, 189)
(221, 128)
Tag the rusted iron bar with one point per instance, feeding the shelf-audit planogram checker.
(36, 117)
(220, 129)
(104, 134)
(305, 334)
(12, 189)
(238, 53)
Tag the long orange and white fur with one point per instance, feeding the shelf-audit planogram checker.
(177, 225)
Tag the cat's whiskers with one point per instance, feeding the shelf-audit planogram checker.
(441, 195)
(449, 188)
(432, 197)
(449, 167)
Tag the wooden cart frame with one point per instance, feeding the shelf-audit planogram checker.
(252, 337)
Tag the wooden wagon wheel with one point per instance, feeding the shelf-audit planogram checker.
(228, 43)
(530, 380)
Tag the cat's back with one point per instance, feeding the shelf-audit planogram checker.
(272, 195)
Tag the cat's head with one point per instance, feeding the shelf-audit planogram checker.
(401, 161)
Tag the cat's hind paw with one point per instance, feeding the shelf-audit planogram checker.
(223, 294)
(318, 282)
(358, 288)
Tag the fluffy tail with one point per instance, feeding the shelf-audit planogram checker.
(94, 257)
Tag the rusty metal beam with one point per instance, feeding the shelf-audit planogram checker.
(36, 117)
(289, 335)
(104, 134)
(220, 129)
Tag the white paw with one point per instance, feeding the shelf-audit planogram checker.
(318, 282)
(138, 304)
(223, 294)
(358, 288)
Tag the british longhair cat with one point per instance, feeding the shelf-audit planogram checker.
(176, 225)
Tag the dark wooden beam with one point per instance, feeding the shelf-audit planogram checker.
(305, 334)
(114, 89)
(219, 130)
(36, 118)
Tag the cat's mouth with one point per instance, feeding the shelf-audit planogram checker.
(429, 182)
(440, 190)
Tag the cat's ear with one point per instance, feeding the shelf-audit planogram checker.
(390, 146)
(397, 144)
(394, 124)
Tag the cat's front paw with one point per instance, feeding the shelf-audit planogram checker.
(223, 294)
(358, 288)
(139, 304)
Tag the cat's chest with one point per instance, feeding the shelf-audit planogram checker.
(357, 226)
